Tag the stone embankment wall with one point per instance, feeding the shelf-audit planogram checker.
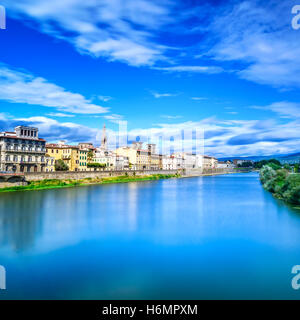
(12, 184)
(17, 180)
(63, 175)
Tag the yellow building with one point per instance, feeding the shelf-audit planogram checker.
(50, 163)
(154, 161)
(68, 154)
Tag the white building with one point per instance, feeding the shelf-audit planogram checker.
(225, 165)
(22, 150)
(168, 162)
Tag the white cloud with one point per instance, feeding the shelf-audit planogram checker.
(163, 95)
(260, 37)
(284, 109)
(60, 115)
(105, 98)
(20, 87)
(198, 98)
(114, 118)
(195, 69)
(115, 29)
(222, 137)
(170, 117)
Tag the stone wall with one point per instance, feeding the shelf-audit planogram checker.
(12, 184)
(62, 175)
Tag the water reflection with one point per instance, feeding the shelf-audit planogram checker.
(158, 239)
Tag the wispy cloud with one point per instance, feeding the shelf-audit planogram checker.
(284, 109)
(259, 36)
(20, 87)
(60, 115)
(194, 69)
(170, 117)
(113, 29)
(163, 95)
(105, 98)
(198, 98)
(253, 38)
(114, 118)
(222, 137)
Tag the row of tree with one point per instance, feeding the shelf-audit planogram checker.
(273, 163)
(281, 183)
(60, 165)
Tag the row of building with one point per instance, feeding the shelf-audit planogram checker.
(23, 151)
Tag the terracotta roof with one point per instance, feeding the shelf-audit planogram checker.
(53, 145)
(15, 137)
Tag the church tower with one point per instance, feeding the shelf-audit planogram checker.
(104, 138)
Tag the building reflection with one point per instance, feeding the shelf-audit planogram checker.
(20, 220)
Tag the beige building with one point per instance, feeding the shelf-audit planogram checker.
(129, 153)
(22, 150)
(209, 162)
(143, 160)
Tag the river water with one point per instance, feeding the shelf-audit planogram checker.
(219, 237)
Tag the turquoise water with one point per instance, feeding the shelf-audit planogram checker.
(220, 237)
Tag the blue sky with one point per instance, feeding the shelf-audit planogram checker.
(229, 67)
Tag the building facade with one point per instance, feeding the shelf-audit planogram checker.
(50, 164)
(22, 150)
(70, 155)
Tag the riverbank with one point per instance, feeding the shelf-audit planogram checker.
(282, 184)
(68, 183)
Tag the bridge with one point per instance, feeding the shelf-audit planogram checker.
(12, 177)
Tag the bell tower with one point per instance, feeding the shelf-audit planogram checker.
(104, 138)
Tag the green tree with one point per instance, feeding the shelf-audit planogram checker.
(96, 165)
(90, 156)
(61, 166)
(261, 163)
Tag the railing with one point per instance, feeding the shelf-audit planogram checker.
(24, 162)
(25, 150)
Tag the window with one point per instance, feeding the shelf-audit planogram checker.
(7, 158)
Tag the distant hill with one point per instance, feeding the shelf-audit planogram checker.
(284, 158)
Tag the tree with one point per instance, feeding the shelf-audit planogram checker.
(90, 156)
(246, 164)
(61, 166)
(274, 162)
(96, 165)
